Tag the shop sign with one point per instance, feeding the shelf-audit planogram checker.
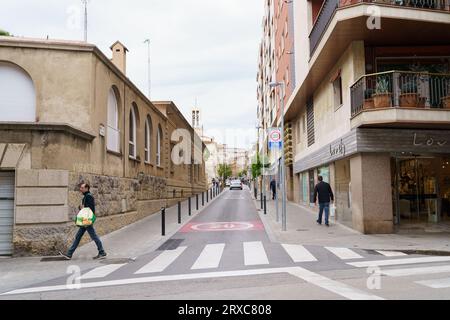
(428, 141)
(337, 150)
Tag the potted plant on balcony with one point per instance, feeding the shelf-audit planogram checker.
(446, 98)
(368, 99)
(382, 97)
(409, 97)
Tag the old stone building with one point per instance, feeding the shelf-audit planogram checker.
(69, 115)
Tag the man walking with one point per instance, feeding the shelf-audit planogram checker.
(325, 195)
(87, 202)
(273, 188)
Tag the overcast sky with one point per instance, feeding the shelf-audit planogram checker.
(200, 49)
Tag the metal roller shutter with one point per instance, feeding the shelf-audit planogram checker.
(6, 212)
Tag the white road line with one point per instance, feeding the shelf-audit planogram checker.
(391, 253)
(314, 278)
(394, 262)
(436, 283)
(415, 271)
(210, 257)
(332, 285)
(161, 262)
(344, 253)
(101, 271)
(254, 254)
(298, 253)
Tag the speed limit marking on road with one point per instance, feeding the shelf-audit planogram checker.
(223, 226)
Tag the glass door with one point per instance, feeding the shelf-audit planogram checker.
(417, 190)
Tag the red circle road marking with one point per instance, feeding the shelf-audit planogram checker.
(223, 226)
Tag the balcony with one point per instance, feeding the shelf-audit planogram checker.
(401, 98)
(329, 8)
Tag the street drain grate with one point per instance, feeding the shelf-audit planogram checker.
(116, 261)
(171, 244)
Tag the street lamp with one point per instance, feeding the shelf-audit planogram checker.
(263, 193)
(282, 166)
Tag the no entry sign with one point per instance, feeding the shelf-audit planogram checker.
(223, 226)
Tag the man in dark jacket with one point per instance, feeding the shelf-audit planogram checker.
(323, 190)
(273, 188)
(87, 202)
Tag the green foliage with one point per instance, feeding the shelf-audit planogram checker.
(4, 33)
(224, 171)
(382, 85)
(256, 167)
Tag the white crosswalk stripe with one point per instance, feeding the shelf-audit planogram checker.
(254, 254)
(344, 253)
(298, 253)
(210, 257)
(394, 262)
(391, 253)
(161, 262)
(101, 272)
(436, 283)
(415, 271)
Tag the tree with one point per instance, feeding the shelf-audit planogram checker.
(224, 171)
(256, 167)
(4, 33)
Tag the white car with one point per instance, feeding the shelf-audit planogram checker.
(236, 184)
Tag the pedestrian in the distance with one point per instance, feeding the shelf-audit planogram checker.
(87, 202)
(273, 187)
(323, 192)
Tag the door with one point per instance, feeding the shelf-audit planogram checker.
(312, 185)
(417, 190)
(6, 212)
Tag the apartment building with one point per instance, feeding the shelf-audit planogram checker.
(69, 114)
(371, 112)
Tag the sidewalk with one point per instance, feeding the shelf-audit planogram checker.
(126, 244)
(303, 229)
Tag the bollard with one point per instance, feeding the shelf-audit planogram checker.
(196, 201)
(265, 205)
(203, 198)
(207, 196)
(261, 201)
(189, 204)
(163, 221)
(179, 212)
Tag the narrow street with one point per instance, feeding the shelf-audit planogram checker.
(225, 253)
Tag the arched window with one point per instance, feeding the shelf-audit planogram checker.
(113, 134)
(132, 133)
(17, 94)
(158, 146)
(148, 139)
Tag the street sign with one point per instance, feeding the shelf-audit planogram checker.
(275, 138)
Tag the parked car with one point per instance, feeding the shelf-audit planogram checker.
(227, 183)
(236, 184)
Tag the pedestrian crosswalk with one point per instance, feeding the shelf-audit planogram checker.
(161, 262)
(254, 254)
(298, 253)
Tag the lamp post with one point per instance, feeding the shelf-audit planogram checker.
(282, 166)
(263, 193)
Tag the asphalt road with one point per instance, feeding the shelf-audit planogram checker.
(225, 253)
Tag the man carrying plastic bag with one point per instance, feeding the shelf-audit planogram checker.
(85, 221)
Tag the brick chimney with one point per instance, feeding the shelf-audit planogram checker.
(119, 56)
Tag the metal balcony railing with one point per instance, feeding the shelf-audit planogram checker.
(329, 7)
(400, 89)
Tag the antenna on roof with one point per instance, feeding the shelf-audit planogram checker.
(85, 2)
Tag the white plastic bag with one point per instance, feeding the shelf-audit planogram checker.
(333, 211)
